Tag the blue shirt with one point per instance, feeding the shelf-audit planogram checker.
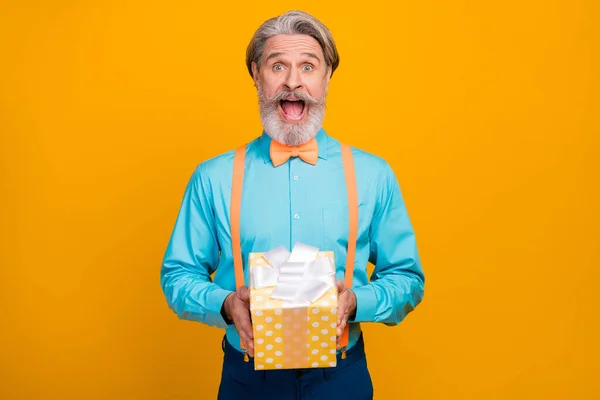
(294, 202)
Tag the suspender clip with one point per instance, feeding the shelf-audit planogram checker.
(246, 358)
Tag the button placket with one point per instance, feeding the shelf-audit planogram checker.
(296, 216)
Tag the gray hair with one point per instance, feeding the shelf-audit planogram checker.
(292, 23)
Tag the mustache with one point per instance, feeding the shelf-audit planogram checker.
(298, 95)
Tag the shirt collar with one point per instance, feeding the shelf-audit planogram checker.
(265, 145)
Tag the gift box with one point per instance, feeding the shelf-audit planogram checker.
(293, 304)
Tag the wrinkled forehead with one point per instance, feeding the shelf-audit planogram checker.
(292, 46)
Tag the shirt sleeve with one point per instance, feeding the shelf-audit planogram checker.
(192, 256)
(397, 282)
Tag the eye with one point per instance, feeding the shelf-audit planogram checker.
(277, 67)
(307, 67)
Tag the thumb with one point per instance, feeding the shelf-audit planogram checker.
(341, 287)
(341, 303)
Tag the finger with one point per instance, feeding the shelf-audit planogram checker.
(341, 326)
(245, 324)
(248, 343)
(341, 315)
(342, 308)
(244, 328)
(243, 293)
(340, 329)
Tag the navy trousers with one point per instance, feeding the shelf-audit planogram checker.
(349, 380)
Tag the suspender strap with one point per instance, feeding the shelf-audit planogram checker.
(350, 175)
(236, 205)
(234, 216)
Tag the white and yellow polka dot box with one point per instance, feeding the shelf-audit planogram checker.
(293, 303)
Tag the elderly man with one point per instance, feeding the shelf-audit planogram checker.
(295, 189)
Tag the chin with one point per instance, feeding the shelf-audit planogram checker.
(295, 127)
(291, 134)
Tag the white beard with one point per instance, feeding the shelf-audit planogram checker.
(291, 134)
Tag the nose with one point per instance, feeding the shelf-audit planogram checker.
(293, 80)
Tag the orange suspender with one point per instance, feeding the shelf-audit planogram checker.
(234, 217)
(350, 175)
(236, 205)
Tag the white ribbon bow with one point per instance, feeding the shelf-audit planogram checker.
(298, 277)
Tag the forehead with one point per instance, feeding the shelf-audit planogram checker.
(292, 45)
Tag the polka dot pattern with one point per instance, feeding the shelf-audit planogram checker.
(268, 345)
(321, 334)
(284, 338)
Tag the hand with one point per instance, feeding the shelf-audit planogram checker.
(237, 309)
(346, 308)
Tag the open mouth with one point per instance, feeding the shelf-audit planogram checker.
(293, 110)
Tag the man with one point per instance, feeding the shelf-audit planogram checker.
(289, 199)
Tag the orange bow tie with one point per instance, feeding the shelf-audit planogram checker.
(280, 153)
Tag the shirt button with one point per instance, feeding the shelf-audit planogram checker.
(296, 216)
(295, 177)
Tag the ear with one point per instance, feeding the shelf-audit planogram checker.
(328, 75)
(255, 76)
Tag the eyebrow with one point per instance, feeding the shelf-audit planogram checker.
(312, 55)
(273, 55)
(277, 54)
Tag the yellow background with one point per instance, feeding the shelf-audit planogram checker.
(487, 111)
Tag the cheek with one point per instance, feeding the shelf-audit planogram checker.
(270, 85)
(317, 88)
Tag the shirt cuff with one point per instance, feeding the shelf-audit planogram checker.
(215, 305)
(366, 304)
